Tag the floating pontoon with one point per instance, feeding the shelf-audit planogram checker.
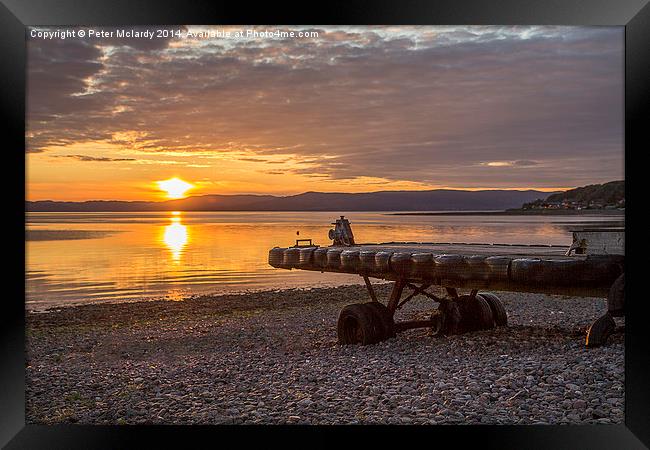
(593, 266)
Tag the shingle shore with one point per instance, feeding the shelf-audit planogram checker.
(271, 357)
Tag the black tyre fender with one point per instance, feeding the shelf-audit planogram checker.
(385, 318)
(498, 311)
(358, 324)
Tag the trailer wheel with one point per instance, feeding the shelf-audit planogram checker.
(475, 312)
(436, 323)
(498, 311)
(486, 319)
(358, 324)
(600, 330)
(616, 297)
(449, 318)
(384, 317)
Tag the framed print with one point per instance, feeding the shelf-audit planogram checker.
(384, 218)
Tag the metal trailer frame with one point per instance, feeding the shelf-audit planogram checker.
(396, 301)
(588, 244)
(596, 335)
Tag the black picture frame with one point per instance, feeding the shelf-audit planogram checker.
(16, 15)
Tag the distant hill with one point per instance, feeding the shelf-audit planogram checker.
(197, 203)
(594, 196)
(433, 200)
(607, 193)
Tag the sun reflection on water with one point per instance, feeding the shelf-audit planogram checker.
(175, 236)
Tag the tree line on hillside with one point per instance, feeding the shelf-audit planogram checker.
(594, 196)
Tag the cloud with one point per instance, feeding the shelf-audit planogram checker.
(441, 105)
(87, 158)
(525, 163)
(517, 163)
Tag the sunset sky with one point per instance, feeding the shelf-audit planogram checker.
(355, 109)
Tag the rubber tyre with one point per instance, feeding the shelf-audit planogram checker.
(600, 330)
(358, 324)
(385, 318)
(475, 314)
(436, 318)
(498, 311)
(486, 319)
(450, 318)
(616, 297)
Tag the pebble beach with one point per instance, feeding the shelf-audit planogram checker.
(272, 358)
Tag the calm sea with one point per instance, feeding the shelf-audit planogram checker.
(77, 258)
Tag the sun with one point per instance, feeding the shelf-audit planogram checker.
(175, 187)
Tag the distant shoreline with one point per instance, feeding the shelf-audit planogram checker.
(430, 200)
(519, 212)
(557, 212)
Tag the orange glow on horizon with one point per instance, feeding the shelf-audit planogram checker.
(125, 177)
(111, 172)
